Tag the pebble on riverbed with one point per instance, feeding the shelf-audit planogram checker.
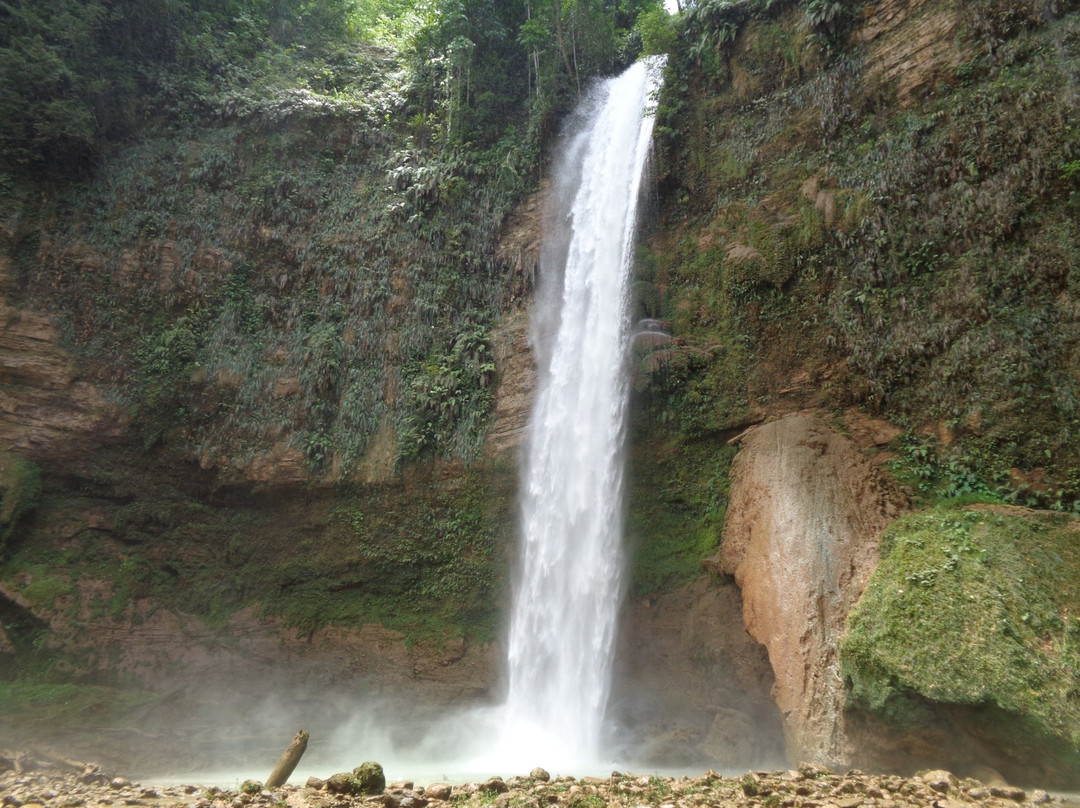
(50, 785)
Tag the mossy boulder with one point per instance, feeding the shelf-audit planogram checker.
(369, 778)
(975, 609)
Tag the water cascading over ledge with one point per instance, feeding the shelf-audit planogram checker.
(569, 581)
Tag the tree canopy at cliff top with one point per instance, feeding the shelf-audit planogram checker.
(75, 74)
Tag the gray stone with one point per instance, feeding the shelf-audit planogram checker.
(438, 791)
(496, 784)
(1009, 793)
(939, 780)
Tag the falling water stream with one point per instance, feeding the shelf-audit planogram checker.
(569, 580)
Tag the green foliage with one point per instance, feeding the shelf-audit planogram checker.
(973, 606)
(587, 801)
(30, 702)
(77, 73)
(921, 465)
(999, 20)
(54, 109)
(20, 487)
(750, 786)
(721, 301)
(45, 588)
(709, 31)
(984, 251)
(927, 256)
(826, 15)
(657, 31)
(164, 360)
(427, 567)
(676, 502)
(303, 223)
(447, 398)
(426, 561)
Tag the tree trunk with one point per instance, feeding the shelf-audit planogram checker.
(288, 761)
(560, 40)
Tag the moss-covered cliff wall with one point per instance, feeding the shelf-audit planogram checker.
(265, 360)
(868, 213)
(878, 210)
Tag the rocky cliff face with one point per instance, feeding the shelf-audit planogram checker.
(911, 44)
(47, 410)
(114, 506)
(692, 686)
(885, 223)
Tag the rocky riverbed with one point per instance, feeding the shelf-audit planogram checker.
(28, 781)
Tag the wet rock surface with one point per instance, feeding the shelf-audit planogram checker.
(805, 494)
(29, 781)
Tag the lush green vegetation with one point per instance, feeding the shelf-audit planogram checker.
(919, 261)
(50, 704)
(826, 244)
(431, 566)
(287, 219)
(267, 224)
(428, 562)
(975, 606)
(20, 486)
(676, 501)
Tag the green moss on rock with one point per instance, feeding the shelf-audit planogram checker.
(20, 484)
(370, 778)
(972, 606)
(367, 778)
(676, 503)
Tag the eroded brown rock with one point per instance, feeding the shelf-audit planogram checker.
(694, 683)
(515, 385)
(911, 45)
(46, 410)
(801, 537)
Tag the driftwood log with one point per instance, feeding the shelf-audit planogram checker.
(289, 758)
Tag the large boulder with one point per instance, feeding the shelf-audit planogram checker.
(962, 652)
(365, 779)
(801, 539)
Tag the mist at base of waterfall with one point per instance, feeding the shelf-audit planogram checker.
(236, 737)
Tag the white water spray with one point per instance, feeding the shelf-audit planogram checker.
(569, 583)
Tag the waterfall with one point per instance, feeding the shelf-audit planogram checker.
(569, 580)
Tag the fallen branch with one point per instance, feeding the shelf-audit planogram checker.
(288, 761)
